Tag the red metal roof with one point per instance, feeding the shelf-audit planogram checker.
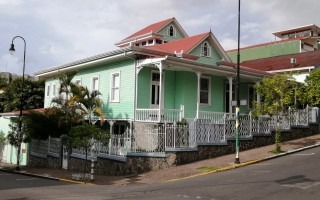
(151, 28)
(184, 44)
(283, 62)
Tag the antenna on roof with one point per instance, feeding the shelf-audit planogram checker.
(210, 30)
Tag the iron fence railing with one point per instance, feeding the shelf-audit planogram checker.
(160, 138)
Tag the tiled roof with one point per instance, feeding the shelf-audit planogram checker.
(184, 44)
(306, 59)
(151, 28)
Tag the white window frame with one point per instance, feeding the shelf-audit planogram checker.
(208, 54)
(93, 88)
(113, 87)
(173, 29)
(209, 91)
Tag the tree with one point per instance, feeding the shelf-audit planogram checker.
(32, 93)
(41, 125)
(66, 101)
(278, 93)
(14, 137)
(313, 88)
(84, 136)
(90, 104)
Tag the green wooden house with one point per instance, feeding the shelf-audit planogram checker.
(160, 74)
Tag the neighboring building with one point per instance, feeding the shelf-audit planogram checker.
(8, 153)
(299, 64)
(290, 41)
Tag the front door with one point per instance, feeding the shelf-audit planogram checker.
(155, 89)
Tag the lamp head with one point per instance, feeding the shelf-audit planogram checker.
(12, 50)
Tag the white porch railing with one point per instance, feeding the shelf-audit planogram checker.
(215, 117)
(166, 115)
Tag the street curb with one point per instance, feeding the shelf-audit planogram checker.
(246, 163)
(42, 176)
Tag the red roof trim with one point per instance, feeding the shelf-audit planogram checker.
(151, 28)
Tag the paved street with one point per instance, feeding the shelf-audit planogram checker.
(14, 181)
(293, 177)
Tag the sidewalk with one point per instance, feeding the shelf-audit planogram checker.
(178, 172)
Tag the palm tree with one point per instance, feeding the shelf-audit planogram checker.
(66, 101)
(90, 105)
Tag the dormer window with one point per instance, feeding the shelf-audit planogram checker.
(171, 31)
(205, 50)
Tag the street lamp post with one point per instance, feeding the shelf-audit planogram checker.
(12, 50)
(237, 160)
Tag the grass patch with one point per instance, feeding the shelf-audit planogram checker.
(275, 151)
(208, 168)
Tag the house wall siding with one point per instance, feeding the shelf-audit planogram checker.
(122, 109)
(48, 98)
(275, 49)
(144, 81)
(212, 60)
(170, 90)
(163, 32)
(113, 110)
(186, 87)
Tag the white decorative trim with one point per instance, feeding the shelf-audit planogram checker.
(92, 81)
(112, 87)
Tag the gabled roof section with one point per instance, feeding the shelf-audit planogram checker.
(153, 29)
(186, 45)
(307, 59)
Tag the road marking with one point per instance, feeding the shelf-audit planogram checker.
(303, 186)
(303, 154)
(25, 179)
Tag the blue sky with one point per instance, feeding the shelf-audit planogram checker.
(60, 31)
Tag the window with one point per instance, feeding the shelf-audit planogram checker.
(205, 49)
(48, 90)
(171, 31)
(158, 41)
(95, 83)
(115, 87)
(144, 43)
(251, 96)
(54, 90)
(150, 42)
(205, 91)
